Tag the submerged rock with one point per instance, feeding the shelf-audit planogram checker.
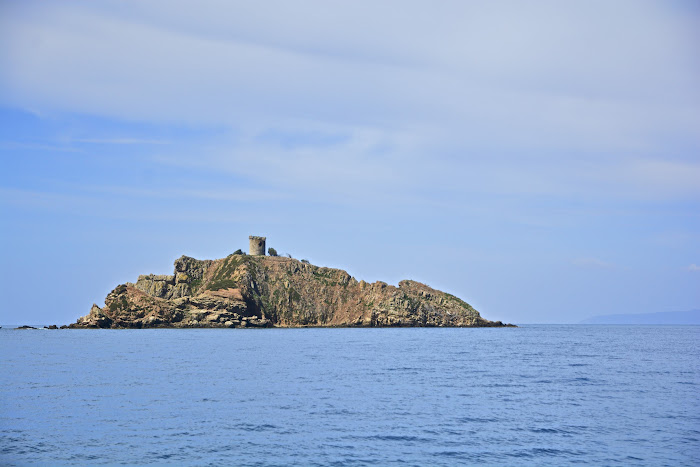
(266, 291)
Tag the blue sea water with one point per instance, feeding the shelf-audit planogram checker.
(535, 395)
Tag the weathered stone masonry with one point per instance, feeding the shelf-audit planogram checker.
(257, 245)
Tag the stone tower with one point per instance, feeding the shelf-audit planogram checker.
(257, 245)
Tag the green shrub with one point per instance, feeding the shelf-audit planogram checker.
(222, 284)
(271, 251)
(238, 252)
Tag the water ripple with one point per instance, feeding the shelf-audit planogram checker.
(529, 396)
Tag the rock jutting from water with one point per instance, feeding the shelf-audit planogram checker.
(272, 291)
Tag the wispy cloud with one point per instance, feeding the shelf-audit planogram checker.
(461, 109)
(10, 145)
(219, 194)
(112, 207)
(118, 141)
(459, 86)
(693, 267)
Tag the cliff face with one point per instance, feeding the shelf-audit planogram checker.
(265, 291)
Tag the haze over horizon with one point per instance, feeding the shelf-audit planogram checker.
(540, 160)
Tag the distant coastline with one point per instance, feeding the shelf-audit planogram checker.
(663, 317)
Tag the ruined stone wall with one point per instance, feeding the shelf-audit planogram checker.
(257, 245)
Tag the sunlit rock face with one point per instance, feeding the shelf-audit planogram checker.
(266, 291)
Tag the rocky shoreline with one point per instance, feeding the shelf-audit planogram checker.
(245, 291)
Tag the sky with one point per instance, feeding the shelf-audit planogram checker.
(540, 160)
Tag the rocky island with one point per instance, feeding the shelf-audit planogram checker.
(272, 291)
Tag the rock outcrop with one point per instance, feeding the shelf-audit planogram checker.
(267, 291)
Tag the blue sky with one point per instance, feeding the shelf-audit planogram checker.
(540, 160)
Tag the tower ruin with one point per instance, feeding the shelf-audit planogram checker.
(257, 245)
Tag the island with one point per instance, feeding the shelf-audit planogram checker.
(257, 291)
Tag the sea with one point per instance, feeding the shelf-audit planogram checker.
(533, 395)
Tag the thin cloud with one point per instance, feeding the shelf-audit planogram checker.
(119, 141)
(693, 267)
(81, 64)
(77, 204)
(37, 146)
(479, 99)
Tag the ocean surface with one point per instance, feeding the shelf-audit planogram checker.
(535, 395)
